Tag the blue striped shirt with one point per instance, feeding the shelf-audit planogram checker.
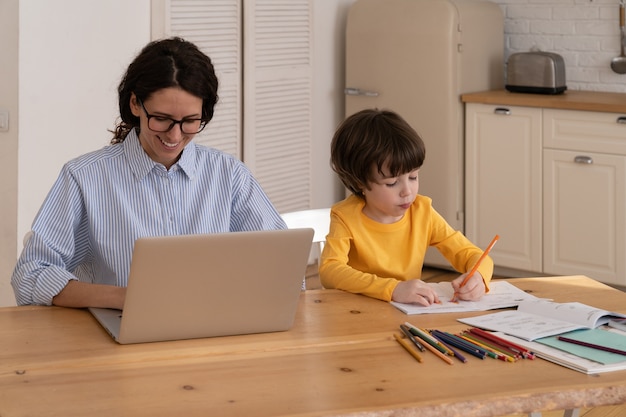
(104, 200)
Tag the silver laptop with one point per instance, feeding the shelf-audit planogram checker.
(193, 286)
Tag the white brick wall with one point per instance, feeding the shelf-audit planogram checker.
(584, 32)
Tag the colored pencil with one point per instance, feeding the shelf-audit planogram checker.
(592, 345)
(427, 338)
(437, 352)
(513, 346)
(476, 265)
(454, 352)
(501, 351)
(462, 344)
(493, 345)
(407, 333)
(492, 351)
(407, 347)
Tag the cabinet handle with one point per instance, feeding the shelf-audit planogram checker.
(621, 120)
(350, 91)
(502, 110)
(583, 159)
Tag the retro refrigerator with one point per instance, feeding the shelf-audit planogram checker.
(417, 57)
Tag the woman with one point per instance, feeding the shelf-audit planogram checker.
(152, 180)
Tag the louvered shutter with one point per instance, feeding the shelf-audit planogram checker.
(278, 99)
(264, 115)
(215, 26)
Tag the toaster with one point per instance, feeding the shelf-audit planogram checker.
(536, 72)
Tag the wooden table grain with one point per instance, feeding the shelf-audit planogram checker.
(339, 359)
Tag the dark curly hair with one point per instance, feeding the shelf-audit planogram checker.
(172, 62)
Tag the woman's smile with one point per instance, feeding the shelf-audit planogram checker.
(169, 105)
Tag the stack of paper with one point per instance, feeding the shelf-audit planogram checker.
(579, 358)
(538, 324)
(538, 318)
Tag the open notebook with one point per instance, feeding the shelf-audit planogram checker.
(193, 286)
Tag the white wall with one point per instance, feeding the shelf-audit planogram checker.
(9, 140)
(72, 54)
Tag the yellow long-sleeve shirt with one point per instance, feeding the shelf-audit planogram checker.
(367, 257)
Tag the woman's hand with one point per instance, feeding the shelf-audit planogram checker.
(414, 291)
(83, 294)
(473, 290)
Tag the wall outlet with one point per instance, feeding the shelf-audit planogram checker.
(4, 120)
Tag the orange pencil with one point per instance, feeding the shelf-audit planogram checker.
(476, 265)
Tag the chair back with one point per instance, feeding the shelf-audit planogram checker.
(319, 221)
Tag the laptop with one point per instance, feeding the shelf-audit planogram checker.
(196, 286)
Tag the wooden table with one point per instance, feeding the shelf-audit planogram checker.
(339, 359)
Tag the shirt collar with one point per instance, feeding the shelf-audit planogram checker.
(141, 164)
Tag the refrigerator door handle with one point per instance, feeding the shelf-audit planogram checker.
(350, 91)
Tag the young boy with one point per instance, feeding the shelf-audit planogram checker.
(379, 235)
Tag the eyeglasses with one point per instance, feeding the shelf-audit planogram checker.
(165, 124)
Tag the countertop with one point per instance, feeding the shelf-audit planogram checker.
(569, 100)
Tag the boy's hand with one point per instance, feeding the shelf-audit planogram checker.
(473, 290)
(414, 291)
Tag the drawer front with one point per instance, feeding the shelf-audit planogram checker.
(584, 131)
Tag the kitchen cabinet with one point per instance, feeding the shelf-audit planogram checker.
(584, 194)
(503, 182)
(548, 174)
